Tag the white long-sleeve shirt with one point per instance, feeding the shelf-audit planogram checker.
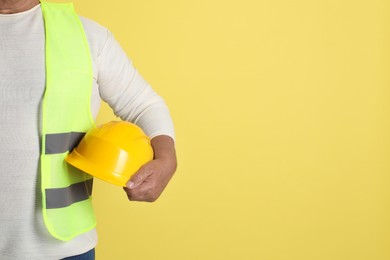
(23, 234)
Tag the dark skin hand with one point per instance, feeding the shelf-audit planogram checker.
(150, 180)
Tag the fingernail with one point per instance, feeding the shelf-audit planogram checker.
(131, 185)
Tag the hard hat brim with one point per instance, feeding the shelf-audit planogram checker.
(77, 160)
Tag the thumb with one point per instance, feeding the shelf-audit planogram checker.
(138, 178)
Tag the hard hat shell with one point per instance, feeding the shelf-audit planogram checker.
(112, 152)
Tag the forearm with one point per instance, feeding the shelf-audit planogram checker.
(164, 149)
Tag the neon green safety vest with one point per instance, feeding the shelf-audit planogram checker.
(66, 117)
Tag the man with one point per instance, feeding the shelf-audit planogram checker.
(23, 234)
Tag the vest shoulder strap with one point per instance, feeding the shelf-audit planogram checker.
(66, 116)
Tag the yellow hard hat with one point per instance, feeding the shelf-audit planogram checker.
(112, 152)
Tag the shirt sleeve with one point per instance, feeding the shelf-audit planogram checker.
(128, 94)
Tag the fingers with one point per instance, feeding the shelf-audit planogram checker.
(138, 178)
(145, 193)
(141, 186)
(149, 182)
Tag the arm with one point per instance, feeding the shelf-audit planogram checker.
(149, 182)
(134, 100)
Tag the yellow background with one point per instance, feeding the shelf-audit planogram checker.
(282, 116)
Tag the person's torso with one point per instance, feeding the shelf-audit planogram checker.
(22, 85)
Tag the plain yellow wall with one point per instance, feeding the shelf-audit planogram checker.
(282, 115)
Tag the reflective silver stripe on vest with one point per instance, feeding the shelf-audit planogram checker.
(63, 197)
(60, 143)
